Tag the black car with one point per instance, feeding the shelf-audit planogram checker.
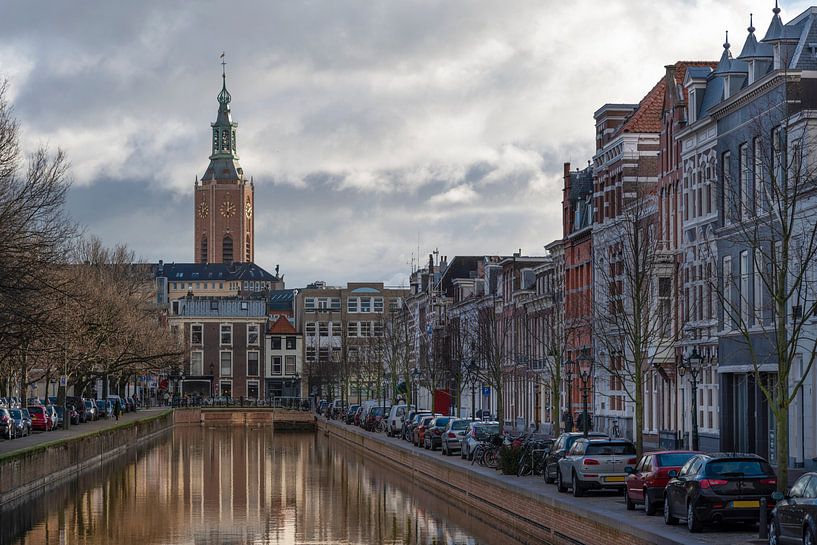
(794, 519)
(560, 448)
(433, 436)
(717, 488)
(22, 426)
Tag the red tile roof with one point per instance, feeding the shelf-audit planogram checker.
(647, 117)
(282, 326)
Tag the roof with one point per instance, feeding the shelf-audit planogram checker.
(282, 326)
(280, 299)
(647, 117)
(235, 307)
(698, 72)
(213, 271)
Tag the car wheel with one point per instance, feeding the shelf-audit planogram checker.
(693, 524)
(774, 532)
(548, 478)
(649, 504)
(669, 520)
(578, 490)
(808, 536)
(560, 486)
(628, 502)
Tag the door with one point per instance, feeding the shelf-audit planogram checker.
(790, 518)
(636, 482)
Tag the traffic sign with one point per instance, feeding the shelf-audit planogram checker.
(63, 380)
(486, 390)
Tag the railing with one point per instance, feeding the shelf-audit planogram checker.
(279, 402)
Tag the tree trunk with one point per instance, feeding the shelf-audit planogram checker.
(500, 408)
(638, 428)
(555, 402)
(781, 420)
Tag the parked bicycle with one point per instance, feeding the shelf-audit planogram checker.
(532, 457)
(486, 453)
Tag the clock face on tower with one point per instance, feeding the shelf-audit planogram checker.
(227, 209)
(203, 209)
(248, 209)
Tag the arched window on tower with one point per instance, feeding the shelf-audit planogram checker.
(203, 250)
(247, 250)
(227, 249)
(215, 140)
(225, 140)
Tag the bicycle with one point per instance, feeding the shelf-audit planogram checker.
(380, 427)
(486, 453)
(532, 458)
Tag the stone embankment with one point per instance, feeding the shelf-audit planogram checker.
(524, 508)
(32, 469)
(279, 419)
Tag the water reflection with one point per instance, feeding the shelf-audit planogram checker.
(232, 485)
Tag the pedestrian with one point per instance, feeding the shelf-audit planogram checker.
(117, 410)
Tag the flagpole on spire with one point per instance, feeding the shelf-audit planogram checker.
(223, 66)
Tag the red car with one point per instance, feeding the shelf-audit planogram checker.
(645, 483)
(39, 419)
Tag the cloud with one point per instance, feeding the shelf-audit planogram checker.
(366, 126)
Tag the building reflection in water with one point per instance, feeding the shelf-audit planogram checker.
(236, 485)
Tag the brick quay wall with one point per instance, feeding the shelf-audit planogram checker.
(518, 506)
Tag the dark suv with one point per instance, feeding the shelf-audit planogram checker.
(719, 487)
(560, 448)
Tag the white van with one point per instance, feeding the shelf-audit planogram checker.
(394, 424)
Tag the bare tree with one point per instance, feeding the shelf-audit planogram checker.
(628, 319)
(492, 330)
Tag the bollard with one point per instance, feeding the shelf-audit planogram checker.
(763, 528)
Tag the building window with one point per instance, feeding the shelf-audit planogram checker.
(227, 249)
(377, 329)
(196, 363)
(378, 305)
(665, 305)
(227, 388)
(758, 176)
(203, 250)
(227, 334)
(309, 303)
(727, 293)
(759, 287)
(351, 329)
(365, 329)
(252, 363)
(745, 182)
(290, 365)
(291, 343)
(275, 342)
(252, 334)
(365, 304)
(323, 329)
(252, 389)
(226, 363)
(728, 203)
(174, 307)
(310, 328)
(196, 334)
(276, 365)
(394, 305)
(247, 250)
(352, 304)
(334, 303)
(744, 289)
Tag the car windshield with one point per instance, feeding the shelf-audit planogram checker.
(35, 410)
(16, 413)
(676, 459)
(426, 421)
(377, 411)
(441, 422)
(738, 468)
(486, 429)
(459, 425)
(610, 449)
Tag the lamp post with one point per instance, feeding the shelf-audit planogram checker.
(415, 376)
(693, 365)
(568, 365)
(473, 376)
(585, 364)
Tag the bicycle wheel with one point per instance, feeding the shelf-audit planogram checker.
(523, 466)
(491, 458)
(476, 456)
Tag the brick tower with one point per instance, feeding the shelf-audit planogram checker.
(224, 201)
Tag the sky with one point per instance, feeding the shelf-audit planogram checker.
(371, 128)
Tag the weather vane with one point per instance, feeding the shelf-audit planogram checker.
(223, 64)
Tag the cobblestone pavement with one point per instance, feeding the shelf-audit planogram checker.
(39, 437)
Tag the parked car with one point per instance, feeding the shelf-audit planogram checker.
(718, 487)
(433, 436)
(79, 405)
(73, 415)
(595, 464)
(322, 405)
(21, 423)
(51, 411)
(7, 425)
(104, 408)
(40, 420)
(419, 431)
(373, 418)
(91, 411)
(350, 414)
(476, 431)
(358, 416)
(336, 408)
(409, 421)
(15, 403)
(451, 439)
(131, 404)
(794, 518)
(394, 422)
(560, 447)
(35, 401)
(412, 424)
(645, 484)
(116, 400)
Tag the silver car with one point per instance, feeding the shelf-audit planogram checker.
(477, 431)
(594, 464)
(453, 435)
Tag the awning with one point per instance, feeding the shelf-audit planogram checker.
(765, 368)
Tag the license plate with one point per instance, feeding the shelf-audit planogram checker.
(746, 504)
(615, 479)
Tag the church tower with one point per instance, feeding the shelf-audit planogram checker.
(224, 201)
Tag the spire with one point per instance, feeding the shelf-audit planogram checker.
(224, 96)
(224, 157)
(726, 57)
(775, 31)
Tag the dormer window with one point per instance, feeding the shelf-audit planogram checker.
(727, 84)
(692, 107)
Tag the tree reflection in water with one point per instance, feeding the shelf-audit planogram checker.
(248, 486)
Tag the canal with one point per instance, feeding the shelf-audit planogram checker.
(234, 486)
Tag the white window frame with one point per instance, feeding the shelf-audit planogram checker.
(377, 305)
(365, 303)
(309, 303)
(201, 327)
(221, 363)
(221, 331)
(352, 329)
(250, 328)
(287, 359)
(280, 366)
(728, 310)
(257, 363)
(744, 287)
(193, 356)
(352, 304)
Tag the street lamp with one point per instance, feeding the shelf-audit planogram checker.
(416, 373)
(585, 364)
(693, 365)
(568, 365)
(473, 376)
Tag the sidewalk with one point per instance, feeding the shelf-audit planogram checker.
(607, 505)
(40, 437)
